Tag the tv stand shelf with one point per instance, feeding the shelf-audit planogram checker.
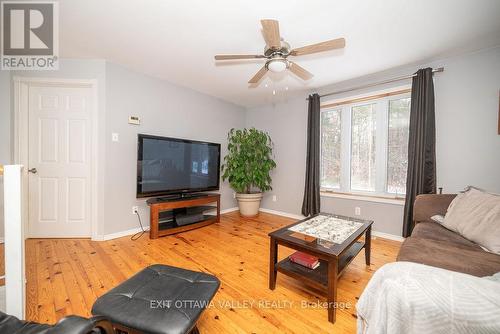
(195, 204)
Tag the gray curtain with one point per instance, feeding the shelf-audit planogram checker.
(311, 203)
(421, 177)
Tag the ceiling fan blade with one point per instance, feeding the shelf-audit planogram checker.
(338, 43)
(256, 78)
(299, 71)
(271, 30)
(234, 57)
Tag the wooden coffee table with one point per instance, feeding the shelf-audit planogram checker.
(334, 257)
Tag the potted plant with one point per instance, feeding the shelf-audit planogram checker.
(247, 167)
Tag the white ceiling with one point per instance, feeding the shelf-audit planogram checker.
(176, 40)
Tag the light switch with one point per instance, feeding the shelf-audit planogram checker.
(134, 120)
(115, 137)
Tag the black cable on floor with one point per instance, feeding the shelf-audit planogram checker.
(141, 232)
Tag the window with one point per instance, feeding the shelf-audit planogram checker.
(397, 145)
(364, 146)
(330, 148)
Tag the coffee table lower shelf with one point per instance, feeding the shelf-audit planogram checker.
(319, 276)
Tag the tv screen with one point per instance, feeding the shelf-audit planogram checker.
(171, 165)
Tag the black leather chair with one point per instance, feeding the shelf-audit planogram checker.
(68, 325)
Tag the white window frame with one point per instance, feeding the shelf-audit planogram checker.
(382, 133)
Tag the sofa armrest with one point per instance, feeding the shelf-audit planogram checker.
(78, 325)
(428, 205)
(69, 325)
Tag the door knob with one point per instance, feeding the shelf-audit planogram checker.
(32, 170)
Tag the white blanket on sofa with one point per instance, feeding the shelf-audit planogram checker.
(406, 297)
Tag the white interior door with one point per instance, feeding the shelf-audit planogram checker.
(59, 154)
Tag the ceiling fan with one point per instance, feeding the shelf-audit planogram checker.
(277, 52)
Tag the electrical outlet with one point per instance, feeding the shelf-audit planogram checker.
(135, 209)
(115, 137)
(234, 195)
(357, 211)
(275, 198)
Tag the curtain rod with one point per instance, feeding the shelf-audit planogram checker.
(440, 69)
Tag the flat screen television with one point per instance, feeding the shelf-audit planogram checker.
(168, 166)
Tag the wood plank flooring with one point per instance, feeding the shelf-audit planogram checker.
(65, 276)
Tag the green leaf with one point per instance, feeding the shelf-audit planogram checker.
(249, 161)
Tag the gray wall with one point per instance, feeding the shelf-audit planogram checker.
(5, 137)
(165, 110)
(468, 143)
(468, 146)
(5, 117)
(286, 123)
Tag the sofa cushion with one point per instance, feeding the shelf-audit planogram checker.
(475, 214)
(449, 255)
(428, 205)
(435, 231)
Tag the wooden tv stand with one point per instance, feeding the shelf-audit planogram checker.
(156, 207)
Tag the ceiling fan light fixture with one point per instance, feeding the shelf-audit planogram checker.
(277, 65)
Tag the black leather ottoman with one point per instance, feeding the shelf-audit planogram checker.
(158, 300)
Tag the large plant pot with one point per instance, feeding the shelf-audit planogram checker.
(249, 204)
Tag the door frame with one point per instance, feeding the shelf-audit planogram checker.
(21, 126)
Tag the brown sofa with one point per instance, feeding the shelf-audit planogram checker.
(433, 245)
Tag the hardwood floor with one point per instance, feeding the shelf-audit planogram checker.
(65, 276)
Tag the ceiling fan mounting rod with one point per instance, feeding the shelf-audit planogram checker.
(277, 55)
(284, 50)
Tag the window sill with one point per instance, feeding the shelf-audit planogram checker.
(364, 197)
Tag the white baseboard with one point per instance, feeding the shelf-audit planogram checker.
(282, 213)
(228, 210)
(388, 236)
(294, 216)
(138, 229)
(116, 235)
(274, 212)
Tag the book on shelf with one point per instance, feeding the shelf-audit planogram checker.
(305, 260)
